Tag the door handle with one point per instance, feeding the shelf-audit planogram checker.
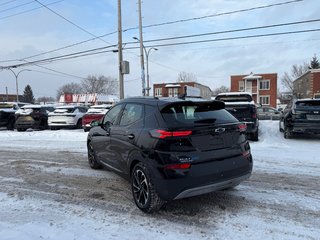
(131, 136)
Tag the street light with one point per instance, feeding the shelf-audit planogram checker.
(147, 52)
(17, 75)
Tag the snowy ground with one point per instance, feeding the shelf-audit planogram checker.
(48, 191)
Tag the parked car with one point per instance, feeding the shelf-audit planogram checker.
(94, 113)
(32, 116)
(68, 116)
(302, 118)
(7, 111)
(268, 113)
(171, 148)
(242, 107)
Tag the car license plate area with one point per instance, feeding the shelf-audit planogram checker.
(313, 117)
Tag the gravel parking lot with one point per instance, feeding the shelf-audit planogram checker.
(48, 191)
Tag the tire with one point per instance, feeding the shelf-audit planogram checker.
(143, 191)
(79, 124)
(21, 129)
(10, 125)
(92, 159)
(287, 133)
(254, 136)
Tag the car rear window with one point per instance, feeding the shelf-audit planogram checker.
(235, 98)
(194, 114)
(308, 104)
(64, 110)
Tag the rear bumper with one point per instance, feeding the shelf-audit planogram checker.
(213, 187)
(203, 177)
(27, 124)
(305, 127)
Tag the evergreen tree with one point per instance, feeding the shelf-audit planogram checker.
(314, 63)
(28, 94)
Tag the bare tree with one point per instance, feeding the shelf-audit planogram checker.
(186, 77)
(100, 85)
(73, 88)
(45, 99)
(221, 89)
(296, 71)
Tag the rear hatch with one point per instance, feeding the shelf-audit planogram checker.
(27, 115)
(61, 115)
(203, 127)
(243, 112)
(307, 110)
(240, 105)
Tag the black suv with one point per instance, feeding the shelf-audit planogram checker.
(171, 148)
(303, 117)
(242, 107)
(32, 116)
(7, 111)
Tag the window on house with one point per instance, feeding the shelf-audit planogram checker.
(158, 92)
(264, 100)
(175, 92)
(241, 86)
(170, 92)
(264, 85)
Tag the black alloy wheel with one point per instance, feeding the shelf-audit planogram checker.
(92, 159)
(143, 190)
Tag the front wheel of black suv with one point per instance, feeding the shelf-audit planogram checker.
(143, 191)
(92, 159)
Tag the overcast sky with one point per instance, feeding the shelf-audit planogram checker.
(28, 29)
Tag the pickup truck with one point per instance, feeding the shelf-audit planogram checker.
(242, 107)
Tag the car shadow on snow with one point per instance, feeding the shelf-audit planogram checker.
(212, 206)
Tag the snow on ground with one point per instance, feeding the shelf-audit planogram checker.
(47, 191)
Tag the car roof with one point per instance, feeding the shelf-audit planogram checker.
(163, 101)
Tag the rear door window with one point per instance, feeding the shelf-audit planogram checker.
(131, 113)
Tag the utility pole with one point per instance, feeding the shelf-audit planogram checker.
(143, 81)
(120, 51)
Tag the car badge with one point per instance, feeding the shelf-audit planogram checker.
(219, 130)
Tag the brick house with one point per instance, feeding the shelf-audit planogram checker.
(263, 87)
(307, 85)
(178, 88)
(10, 97)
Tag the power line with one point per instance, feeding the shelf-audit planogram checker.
(216, 15)
(7, 2)
(235, 30)
(234, 38)
(72, 23)
(18, 6)
(30, 10)
(166, 23)
(181, 37)
(87, 53)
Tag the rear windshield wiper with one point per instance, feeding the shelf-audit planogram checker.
(206, 121)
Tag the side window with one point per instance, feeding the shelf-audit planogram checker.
(112, 114)
(131, 113)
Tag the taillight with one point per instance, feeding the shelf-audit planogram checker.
(242, 127)
(164, 134)
(178, 166)
(254, 115)
(246, 154)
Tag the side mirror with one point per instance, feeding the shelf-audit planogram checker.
(95, 123)
(106, 125)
